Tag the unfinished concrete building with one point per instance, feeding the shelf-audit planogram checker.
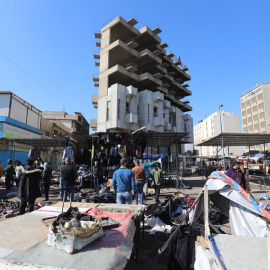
(140, 83)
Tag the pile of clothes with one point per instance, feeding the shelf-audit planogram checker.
(9, 208)
(72, 230)
(101, 196)
(170, 212)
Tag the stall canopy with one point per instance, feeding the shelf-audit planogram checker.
(237, 139)
(59, 142)
(155, 138)
(161, 138)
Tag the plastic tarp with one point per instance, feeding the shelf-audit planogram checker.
(204, 260)
(245, 223)
(244, 219)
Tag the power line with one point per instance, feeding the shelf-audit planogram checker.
(33, 78)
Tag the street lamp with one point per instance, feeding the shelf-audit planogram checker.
(223, 155)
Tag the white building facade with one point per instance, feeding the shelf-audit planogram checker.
(124, 108)
(220, 121)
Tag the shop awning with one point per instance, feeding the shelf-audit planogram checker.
(237, 139)
(59, 142)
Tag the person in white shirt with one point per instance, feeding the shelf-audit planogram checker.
(18, 171)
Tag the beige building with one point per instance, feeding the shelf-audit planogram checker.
(141, 84)
(76, 123)
(255, 109)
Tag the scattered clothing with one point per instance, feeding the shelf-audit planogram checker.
(263, 198)
(157, 225)
(68, 153)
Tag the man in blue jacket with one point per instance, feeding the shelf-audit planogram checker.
(123, 182)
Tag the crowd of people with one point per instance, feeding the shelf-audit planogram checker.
(35, 176)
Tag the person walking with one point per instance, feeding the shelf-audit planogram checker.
(29, 190)
(236, 174)
(68, 177)
(46, 177)
(123, 183)
(158, 177)
(97, 173)
(9, 172)
(209, 169)
(140, 177)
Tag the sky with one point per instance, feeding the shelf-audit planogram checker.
(47, 47)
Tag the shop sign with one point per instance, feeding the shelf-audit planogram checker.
(11, 132)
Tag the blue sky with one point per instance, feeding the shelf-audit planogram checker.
(224, 43)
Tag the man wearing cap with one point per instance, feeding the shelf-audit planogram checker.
(123, 182)
(236, 174)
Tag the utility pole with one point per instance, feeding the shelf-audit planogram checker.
(220, 120)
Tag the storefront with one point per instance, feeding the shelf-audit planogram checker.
(11, 130)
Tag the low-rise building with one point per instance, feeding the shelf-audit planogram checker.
(75, 122)
(220, 121)
(18, 120)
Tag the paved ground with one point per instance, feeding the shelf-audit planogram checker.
(149, 258)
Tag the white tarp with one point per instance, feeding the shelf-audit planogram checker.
(245, 223)
(226, 190)
(244, 219)
(204, 260)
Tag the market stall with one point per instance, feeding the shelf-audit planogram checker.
(24, 242)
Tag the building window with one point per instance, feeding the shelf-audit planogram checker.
(156, 111)
(108, 111)
(148, 113)
(127, 107)
(118, 109)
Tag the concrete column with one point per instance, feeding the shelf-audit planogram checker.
(104, 63)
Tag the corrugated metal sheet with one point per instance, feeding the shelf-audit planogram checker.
(8, 154)
(22, 156)
(4, 156)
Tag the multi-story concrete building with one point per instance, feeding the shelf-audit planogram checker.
(212, 126)
(76, 123)
(140, 84)
(255, 108)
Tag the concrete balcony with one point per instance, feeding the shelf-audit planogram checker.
(131, 91)
(93, 124)
(131, 118)
(166, 104)
(95, 101)
(158, 121)
(172, 109)
(157, 97)
(168, 127)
